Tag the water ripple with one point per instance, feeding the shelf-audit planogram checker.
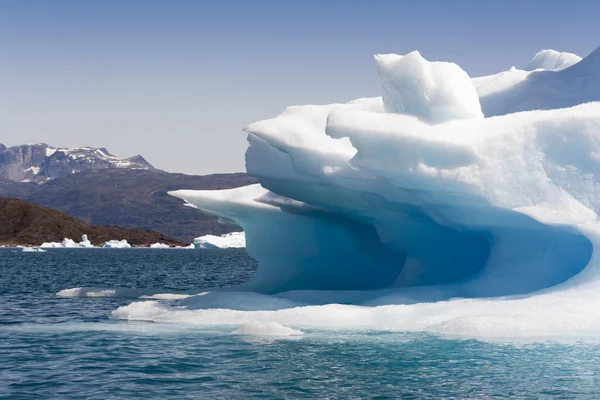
(55, 348)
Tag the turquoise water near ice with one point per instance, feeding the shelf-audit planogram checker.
(69, 348)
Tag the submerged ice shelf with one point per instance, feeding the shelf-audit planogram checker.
(419, 210)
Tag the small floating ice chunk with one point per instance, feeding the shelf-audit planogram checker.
(122, 293)
(166, 296)
(86, 292)
(33, 250)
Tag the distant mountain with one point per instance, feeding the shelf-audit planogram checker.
(24, 223)
(132, 198)
(40, 163)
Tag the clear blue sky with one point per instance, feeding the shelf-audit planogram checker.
(176, 81)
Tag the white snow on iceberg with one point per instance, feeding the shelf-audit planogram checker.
(432, 91)
(541, 89)
(414, 212)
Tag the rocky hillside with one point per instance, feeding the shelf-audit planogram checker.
(23, 223)
(40, 163)
(130, 198)
(10, 188)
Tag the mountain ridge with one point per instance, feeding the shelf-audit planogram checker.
(40, 163)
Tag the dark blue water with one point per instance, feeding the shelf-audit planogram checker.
(69, 348)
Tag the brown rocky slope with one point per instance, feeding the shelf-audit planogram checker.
(130, 198)
(23, 223)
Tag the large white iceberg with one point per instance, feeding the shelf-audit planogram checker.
(419, 212)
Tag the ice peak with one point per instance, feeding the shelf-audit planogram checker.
(552, 60)
(434, 92)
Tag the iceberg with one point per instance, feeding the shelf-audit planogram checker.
(68, 244)
(226, 241)
(437, 207)
(159, 246)
(85, 242)
(33, 250)
(117, 244)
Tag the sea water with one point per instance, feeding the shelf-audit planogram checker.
(70, 348)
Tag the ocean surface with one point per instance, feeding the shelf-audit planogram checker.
(70, 348)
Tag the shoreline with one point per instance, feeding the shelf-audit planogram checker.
(20, 246)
